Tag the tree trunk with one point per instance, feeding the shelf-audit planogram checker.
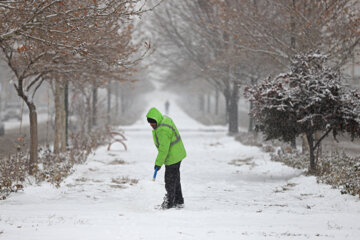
(67, 113)
(33, 138)
(32, 164)
(123, 103)
(293, 143)
(233, 111)
(0, 104)
(318, 135)
(109, 103)
(251, 120)
(117, 100)
(217, 102)
(293, 44)
(208, 103)
(353, 67)
(94, 107)
(90, 112)
(312, 167)
(305, 144)
(227, 104)
(201, 103)
(292, 26)
(60, 119)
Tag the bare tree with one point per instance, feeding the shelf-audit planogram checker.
(283, 28)
(188, 26)
(40, 39)
(227, 41)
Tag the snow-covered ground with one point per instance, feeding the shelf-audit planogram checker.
(231, 191)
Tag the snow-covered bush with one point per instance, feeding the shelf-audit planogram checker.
(309, 98)
(13, 170)
(248, 139)
(52, 168)
(338, 169)
(341, 171)
(295, 160)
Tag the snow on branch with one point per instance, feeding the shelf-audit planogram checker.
(309, 98)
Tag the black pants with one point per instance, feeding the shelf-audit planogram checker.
(173, 185)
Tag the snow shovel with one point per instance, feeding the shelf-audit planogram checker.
(155, 172)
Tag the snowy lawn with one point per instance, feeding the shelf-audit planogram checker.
(231, 191)
(14, 123)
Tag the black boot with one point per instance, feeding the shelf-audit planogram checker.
(166, 204)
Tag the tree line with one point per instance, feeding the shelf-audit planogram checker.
(237, 42)
(85, 44)
(232, 44)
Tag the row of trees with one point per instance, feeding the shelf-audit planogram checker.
(84, 43)
(233, 43)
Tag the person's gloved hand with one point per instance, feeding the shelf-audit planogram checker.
(156, 167)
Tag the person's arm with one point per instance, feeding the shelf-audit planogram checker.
(164, 145)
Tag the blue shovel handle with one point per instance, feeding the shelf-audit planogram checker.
(154, 177)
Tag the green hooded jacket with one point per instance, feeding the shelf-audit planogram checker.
(167, 139)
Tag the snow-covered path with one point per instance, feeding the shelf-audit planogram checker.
(231, 191)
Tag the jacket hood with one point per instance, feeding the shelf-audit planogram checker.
(155, 114)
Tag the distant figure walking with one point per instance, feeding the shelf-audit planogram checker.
(167, 105)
